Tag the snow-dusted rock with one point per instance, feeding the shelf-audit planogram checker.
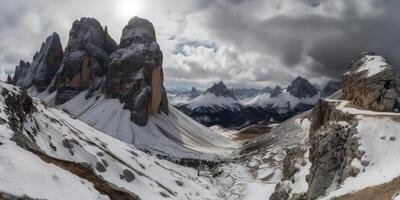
(135, 74)
(85, 61)
(372, 83)
(44, 66)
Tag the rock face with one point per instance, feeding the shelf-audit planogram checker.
(44, 66)
(333, 148)
(330, 88)
(86, 59)
(194, 93)
(20, 71)
(301, 88)
(135, 74)
(220, 89)
(9, 80)
(372, 83)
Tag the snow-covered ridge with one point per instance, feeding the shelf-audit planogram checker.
(210, 100)
(372, 64)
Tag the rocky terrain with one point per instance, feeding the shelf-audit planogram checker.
(101, 127)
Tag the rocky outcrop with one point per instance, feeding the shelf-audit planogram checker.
(44, 66)
(135, 74)
(330, 88)
(220, 89)
(86, 59)
(372, 83)
(302, 88)
(276, 91)
(194, 93)
(334, 146)
(9, 80)
(20, 71)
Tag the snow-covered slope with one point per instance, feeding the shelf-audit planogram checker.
(213, 102)
(174, 135)
(70, 159)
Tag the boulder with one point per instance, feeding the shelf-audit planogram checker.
(84, 66)
(44, 66)
(135, 75)
(372, 83)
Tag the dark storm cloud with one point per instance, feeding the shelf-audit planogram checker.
(331, 41)
(241, 41)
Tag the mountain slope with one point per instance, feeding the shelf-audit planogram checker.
(56, 150)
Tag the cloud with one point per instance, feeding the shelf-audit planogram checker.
(249, 43)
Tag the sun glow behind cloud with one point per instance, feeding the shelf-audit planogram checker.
(125, 9)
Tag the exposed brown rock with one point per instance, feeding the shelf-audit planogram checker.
(379, 92)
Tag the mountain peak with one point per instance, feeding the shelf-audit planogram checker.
(302, 88)
(220, 89)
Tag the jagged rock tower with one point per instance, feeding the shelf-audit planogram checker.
(85, 61)
(44, 66)
(135, 74)
(93, 62)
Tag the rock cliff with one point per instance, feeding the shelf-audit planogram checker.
(372, 83)
(135, 74)
(85, 61)
(44, 66)
(301, 88)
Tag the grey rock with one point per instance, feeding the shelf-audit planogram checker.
(135, 74)
(100, 167)
(20, 72)
(128, 175)
(44, 66)
(86, 59)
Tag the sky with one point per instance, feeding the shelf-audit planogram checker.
(245, 43)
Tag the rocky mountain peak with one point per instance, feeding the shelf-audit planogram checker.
(276, 91)
(194, 93)
(372, 83)
(330, 88)
(138, 30)
(135, 73)
(302, 88)
(44, 66)
(86, 59)
(220, 89)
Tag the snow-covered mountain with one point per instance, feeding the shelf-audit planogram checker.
(178, 97)
(103, 129)
(219, 106)
(299, 96)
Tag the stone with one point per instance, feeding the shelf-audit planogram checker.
(128, 175)
(20, 72)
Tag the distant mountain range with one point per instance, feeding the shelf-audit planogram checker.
(239, 107)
